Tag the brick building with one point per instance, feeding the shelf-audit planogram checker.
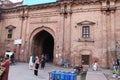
(79, 31)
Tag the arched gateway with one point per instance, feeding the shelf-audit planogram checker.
(42, 43)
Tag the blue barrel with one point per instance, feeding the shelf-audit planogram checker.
(53, 75)
(68, 75)
(62, 76)
(58, 75)
(72, 76)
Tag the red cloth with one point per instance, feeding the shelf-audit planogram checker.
(113, 61)
(6, 64)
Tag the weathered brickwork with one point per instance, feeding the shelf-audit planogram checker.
(63, 22)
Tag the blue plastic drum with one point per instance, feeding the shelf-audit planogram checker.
(62, 76)
(53, 75)
(72, 76)
(58, 75)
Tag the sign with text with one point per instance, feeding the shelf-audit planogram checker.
(18, 41)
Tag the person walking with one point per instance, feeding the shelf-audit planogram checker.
(36, 66)
(12, 59)
(31, 62)
(6, 64)
(43, 62)
(95, 66)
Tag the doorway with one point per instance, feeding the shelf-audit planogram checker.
(85, 59)
(43, 44)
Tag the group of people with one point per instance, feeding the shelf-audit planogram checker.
(34, 63)
(5, 61)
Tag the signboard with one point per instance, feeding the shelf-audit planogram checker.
(18, 41)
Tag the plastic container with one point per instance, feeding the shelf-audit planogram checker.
(62, 76)
(53, 75)
(72, 76)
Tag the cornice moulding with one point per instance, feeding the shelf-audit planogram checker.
(48, 5)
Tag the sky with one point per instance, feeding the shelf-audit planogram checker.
(33, 2)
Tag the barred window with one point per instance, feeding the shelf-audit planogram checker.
(10, 33)
(85, 31)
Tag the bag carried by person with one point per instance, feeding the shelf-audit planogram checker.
(2, 71)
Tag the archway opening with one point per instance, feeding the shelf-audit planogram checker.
(43, 44)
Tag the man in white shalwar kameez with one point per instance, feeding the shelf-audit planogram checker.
(95, 66)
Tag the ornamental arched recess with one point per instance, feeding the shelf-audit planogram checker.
(36, 31)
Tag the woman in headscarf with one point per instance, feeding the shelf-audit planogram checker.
(37, 62)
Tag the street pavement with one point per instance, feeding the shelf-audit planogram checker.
(95, 75)
(101, 74)
(20, 71)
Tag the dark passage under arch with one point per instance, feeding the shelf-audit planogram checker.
(43, 43)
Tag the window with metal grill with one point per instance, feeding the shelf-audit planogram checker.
(85, 31)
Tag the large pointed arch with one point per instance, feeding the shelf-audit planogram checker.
(42, 42)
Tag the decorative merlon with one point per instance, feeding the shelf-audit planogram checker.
(108, 5)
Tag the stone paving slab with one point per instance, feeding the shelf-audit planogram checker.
(95, 75)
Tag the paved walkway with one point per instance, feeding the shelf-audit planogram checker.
(95, 75)
(109, 74)
(20, 71)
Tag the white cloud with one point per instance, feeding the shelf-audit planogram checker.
(14, 1)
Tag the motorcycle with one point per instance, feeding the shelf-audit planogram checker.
(78, 69)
